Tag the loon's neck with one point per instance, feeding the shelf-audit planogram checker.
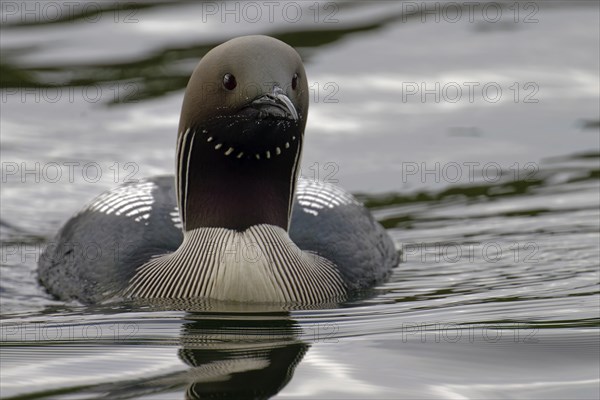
(260, 264)
(218, 187)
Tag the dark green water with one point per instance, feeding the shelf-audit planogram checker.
(492, 195)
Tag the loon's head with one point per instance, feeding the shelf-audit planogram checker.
(240, 135)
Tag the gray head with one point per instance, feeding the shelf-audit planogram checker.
(240, 135)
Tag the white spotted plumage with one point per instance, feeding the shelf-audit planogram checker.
(314, 195)
(176, 218)
(133, 200)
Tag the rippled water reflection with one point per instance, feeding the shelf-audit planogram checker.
(495, 207)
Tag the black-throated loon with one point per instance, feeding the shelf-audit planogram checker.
(236, 223)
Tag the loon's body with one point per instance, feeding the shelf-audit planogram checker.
(236, 223)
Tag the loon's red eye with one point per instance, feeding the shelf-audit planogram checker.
(229, 81)
(295, 81)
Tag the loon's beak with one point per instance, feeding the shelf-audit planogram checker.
(275, 105)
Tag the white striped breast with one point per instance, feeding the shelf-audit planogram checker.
(261, 264)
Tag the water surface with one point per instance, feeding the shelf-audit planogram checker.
(493, 201)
